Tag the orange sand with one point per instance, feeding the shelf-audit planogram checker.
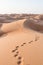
(31, 53)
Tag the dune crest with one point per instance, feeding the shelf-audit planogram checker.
(14, 26)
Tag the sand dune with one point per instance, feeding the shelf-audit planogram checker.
(34, 24)
(21, 45)
(12, 26)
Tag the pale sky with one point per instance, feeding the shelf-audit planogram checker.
(21, 6)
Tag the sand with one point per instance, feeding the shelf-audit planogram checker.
(20, 45)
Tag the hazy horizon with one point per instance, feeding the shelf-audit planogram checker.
(21, 6)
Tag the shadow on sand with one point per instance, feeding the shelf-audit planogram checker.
(36, 26)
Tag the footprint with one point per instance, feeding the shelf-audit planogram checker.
(14, 50)
(19, 62)
(24, 43)
(36, 38)
(19, 57)
(17, 47)
(31, 41)
(17, 52)
(15, 55)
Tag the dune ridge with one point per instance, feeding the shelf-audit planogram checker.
(36, 25)
(12, 26)
(20, 25)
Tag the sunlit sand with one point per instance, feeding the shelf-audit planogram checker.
(20, 45)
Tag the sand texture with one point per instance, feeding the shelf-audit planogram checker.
(20, 44)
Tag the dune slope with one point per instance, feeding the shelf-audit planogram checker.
(21, 46)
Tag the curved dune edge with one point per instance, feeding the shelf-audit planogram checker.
(14, 26)
(34, 25)
(10, 27)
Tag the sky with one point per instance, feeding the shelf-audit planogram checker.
(21, 6)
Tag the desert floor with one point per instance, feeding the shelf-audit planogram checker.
(20, 46)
